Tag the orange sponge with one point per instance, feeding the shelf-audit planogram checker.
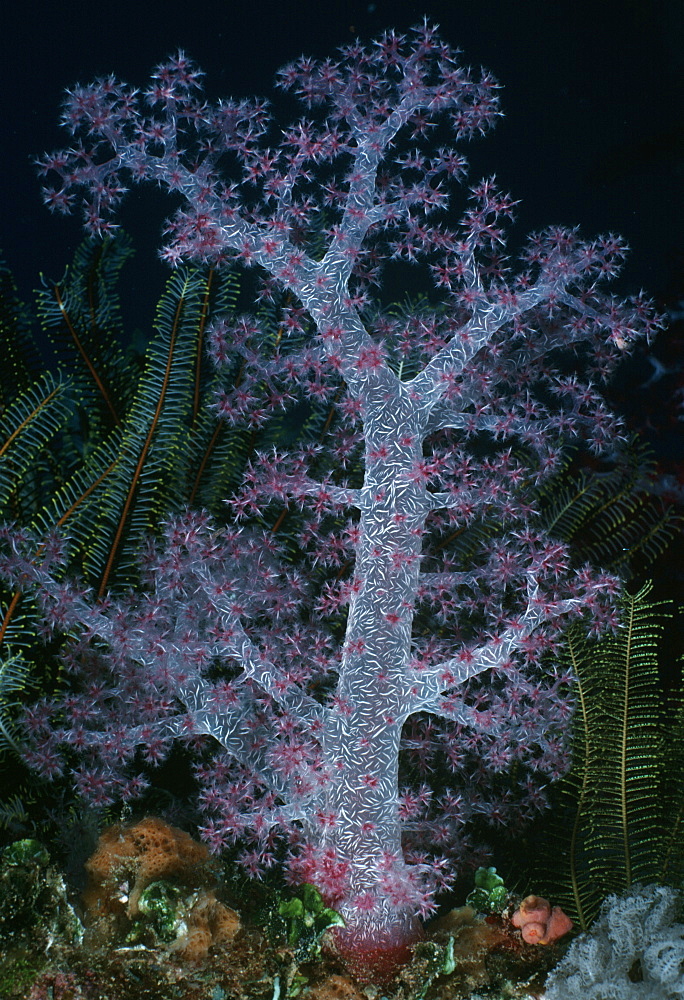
(209, 923)
(128, 858)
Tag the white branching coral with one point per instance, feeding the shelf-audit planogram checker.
(635, 951)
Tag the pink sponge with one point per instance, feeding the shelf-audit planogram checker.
(538, 923)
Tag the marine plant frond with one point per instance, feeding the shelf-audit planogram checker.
(14, 674)
(148, 477)
(81, 317)
(608, 515)
(19, 622)
(219, 297)
(27, 425)
(609, 823)
(104, 488)
(630, 729)
(13, 812)
(218, 459)
(672, 862)
(72, 508)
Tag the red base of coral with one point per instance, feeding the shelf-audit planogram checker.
(376, 958)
